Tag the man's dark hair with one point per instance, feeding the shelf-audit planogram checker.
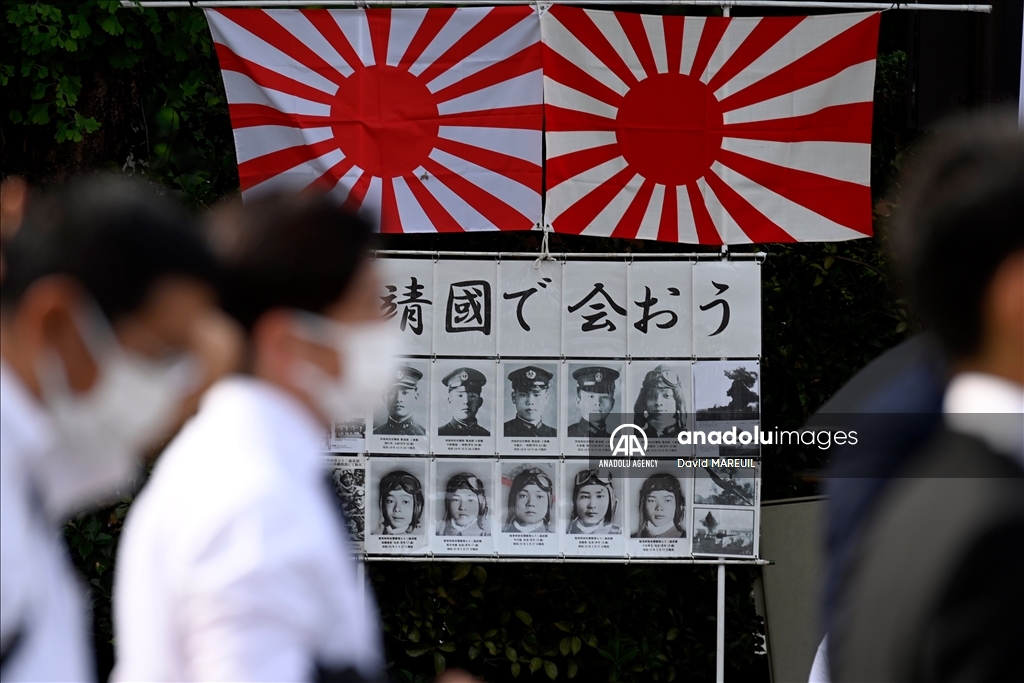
(962, 216)
(116, 236)
(287, 251)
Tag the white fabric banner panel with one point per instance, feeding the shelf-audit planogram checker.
(528, 497)
(529, 308)
(421, 120)
(710, 130)
(464, 317)
(463, 504)
(726, 309)
(660, 319)
(658, 511)
(592, 403)
(397, 514)
(407, 301)
(633, 444)
(401, 415)
(594, 314)
(348, 479)
(530, 409)
(592, 511)
(464, 401)
(659, 396)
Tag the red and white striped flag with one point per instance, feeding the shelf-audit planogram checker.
(708, 130)
(428, 119)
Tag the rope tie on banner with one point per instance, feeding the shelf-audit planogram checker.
(545, 252)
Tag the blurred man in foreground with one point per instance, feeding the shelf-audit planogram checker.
(933, 589)
(107, 323)
(234, 564)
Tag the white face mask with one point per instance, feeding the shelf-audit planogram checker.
(368, 352)
(104, 430)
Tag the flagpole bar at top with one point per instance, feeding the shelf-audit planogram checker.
(792, 4)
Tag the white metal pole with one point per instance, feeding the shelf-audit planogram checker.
(793, 4)
(720, 628)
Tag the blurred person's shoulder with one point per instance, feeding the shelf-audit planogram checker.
(245, 448)
(941, 511)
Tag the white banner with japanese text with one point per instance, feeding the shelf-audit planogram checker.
(561, 408)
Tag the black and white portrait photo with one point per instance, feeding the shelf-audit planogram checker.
(593, 519)
(529, 493)
(529, 407)
(463, 500)
(658, 516)
(725, 486)
(348, 479)
(721, 532)
(397, 512)
(593, 404)
(661, 402)
(463, 407)
(400, 417)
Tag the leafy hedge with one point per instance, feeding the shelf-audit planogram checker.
(88, 87)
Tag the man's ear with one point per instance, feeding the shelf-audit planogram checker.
(277, 346)
(45, 319)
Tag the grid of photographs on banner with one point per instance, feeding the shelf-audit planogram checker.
(482, 444)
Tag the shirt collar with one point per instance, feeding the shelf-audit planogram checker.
(988, 408)
(26, 423)
(292, 430)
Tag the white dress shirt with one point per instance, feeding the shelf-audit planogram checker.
(233, 564)
(41, 607)
(988, 408)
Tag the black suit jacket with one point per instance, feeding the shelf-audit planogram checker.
(935, 589)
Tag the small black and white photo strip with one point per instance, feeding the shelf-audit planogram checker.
(348, 480)
(727, 395)
(529, 411)
(726, 486)
(723, 532)
(529, 498)
(401, 414)
(658, 512)
(660, 401)
(348, 435)
(463, 407)
(592, 404)
(592, 507)
(464, 506)
(397, 513)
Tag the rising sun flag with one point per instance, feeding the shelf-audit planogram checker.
(708, 130)
(428, 120)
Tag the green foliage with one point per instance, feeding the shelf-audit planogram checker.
(132, 89)
(514, 622)
(87, 85)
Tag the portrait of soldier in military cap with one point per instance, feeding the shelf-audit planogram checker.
(402, 401)
(531, 393)
(465, 399)
(660, 408)
(595, 399)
